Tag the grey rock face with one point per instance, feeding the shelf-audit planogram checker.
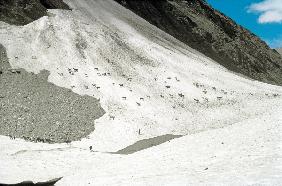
(201, 27)
(21, 12)
(36, 110)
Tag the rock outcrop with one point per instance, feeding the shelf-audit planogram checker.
(203, 28)
(21, 12)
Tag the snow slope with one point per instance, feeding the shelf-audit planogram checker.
(148, 82)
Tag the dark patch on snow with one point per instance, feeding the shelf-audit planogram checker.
(147, 143)
(30, 183)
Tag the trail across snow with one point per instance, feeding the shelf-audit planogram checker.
(150, 85)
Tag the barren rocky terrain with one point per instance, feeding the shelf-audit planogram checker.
(34, 109)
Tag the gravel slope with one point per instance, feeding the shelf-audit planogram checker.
(34, 109)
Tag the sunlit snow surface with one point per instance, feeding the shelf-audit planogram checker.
(149, 85)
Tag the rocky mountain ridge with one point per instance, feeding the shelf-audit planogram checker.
(207, 30)
(21, 12)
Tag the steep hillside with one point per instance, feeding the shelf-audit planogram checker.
(168, 114)
(132, 67)
(201, 27)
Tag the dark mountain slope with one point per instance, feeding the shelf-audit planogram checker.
(201, 27)
(21, 12)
